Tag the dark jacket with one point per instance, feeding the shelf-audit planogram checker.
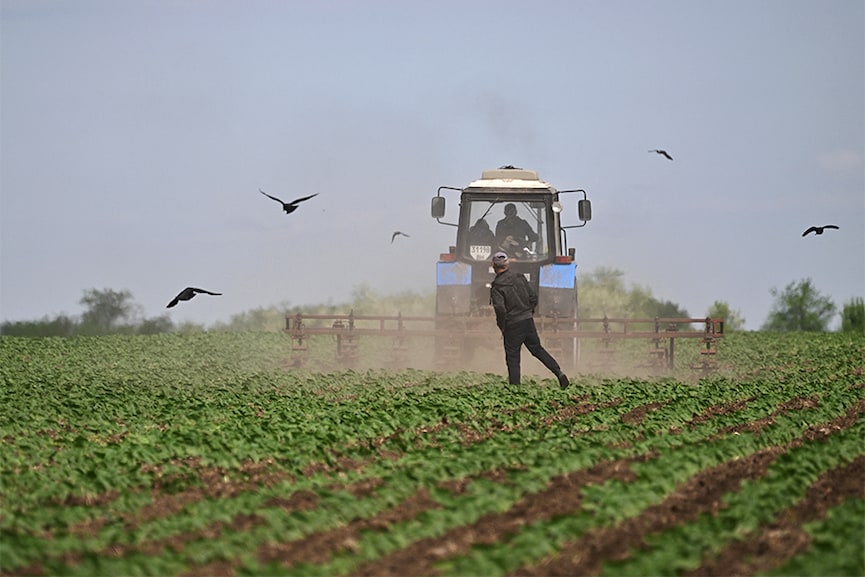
(515, 227)
(512, 298)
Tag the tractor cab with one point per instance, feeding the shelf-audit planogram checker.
(519, 227)
(509, 210)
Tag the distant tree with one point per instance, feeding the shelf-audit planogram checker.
(366, 301)
(733, 320)
(641, 303)
(189, 327)
(255, 320)
(654, 308)
(105, 309)
(799, 307)
(666, 309)
(608, 278)
(155, 325)
(60, 326)
(853, 316)
(602, 292)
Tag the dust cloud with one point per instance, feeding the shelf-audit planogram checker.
(626, 358)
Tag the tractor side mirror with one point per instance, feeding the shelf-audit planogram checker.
(437, 208)
(584, 209)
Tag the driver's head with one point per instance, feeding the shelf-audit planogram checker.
(510, 209)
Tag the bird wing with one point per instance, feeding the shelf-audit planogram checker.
(664, 152)
(812, 229)
(182, 295)
(303, 198)
(198, 290)
(268, 196)
(831, 226)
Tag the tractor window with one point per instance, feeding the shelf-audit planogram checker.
(518, 228)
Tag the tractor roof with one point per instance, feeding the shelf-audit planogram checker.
(509, 177)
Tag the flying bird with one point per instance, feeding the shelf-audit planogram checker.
(662, 153)
(818, 229)
(288, 207)
(397, 233)
(187, 294)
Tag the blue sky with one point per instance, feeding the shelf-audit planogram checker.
(134, 136)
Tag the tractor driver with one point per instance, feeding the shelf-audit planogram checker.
(514, 234)
(481, 234)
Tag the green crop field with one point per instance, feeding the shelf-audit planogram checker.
(205, 454)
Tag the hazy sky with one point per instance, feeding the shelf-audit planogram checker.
(136, 134)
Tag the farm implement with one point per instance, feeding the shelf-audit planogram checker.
(584, 344)
(509, 210)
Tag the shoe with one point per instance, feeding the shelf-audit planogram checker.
(563, 381)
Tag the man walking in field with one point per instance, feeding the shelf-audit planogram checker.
(514, 301)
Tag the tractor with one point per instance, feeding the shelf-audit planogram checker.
(509, 210)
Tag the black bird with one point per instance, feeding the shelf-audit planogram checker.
(397, 233)
(663, 153)
(187, 294)
(288, 207)
(818, 229)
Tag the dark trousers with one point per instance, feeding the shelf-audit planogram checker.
(525, 333)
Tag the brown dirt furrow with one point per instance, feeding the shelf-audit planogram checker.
(725, 409)
(821, 431)
(177, 542)
(579, 407)
(318, 547)
(637, 415)
(297, 501)
(470, 435)
(213, 482)
(757, 425)
(35, 569)
(772, 545)
(701, 494)
(215, 569)
(561, 497)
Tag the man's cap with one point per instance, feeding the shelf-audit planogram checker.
(500, 258)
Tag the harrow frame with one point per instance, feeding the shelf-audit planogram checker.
(454, 332)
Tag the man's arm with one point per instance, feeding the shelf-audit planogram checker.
(530, 293)
(497, 299)
(530, 233)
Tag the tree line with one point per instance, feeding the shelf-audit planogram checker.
(602, 292)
